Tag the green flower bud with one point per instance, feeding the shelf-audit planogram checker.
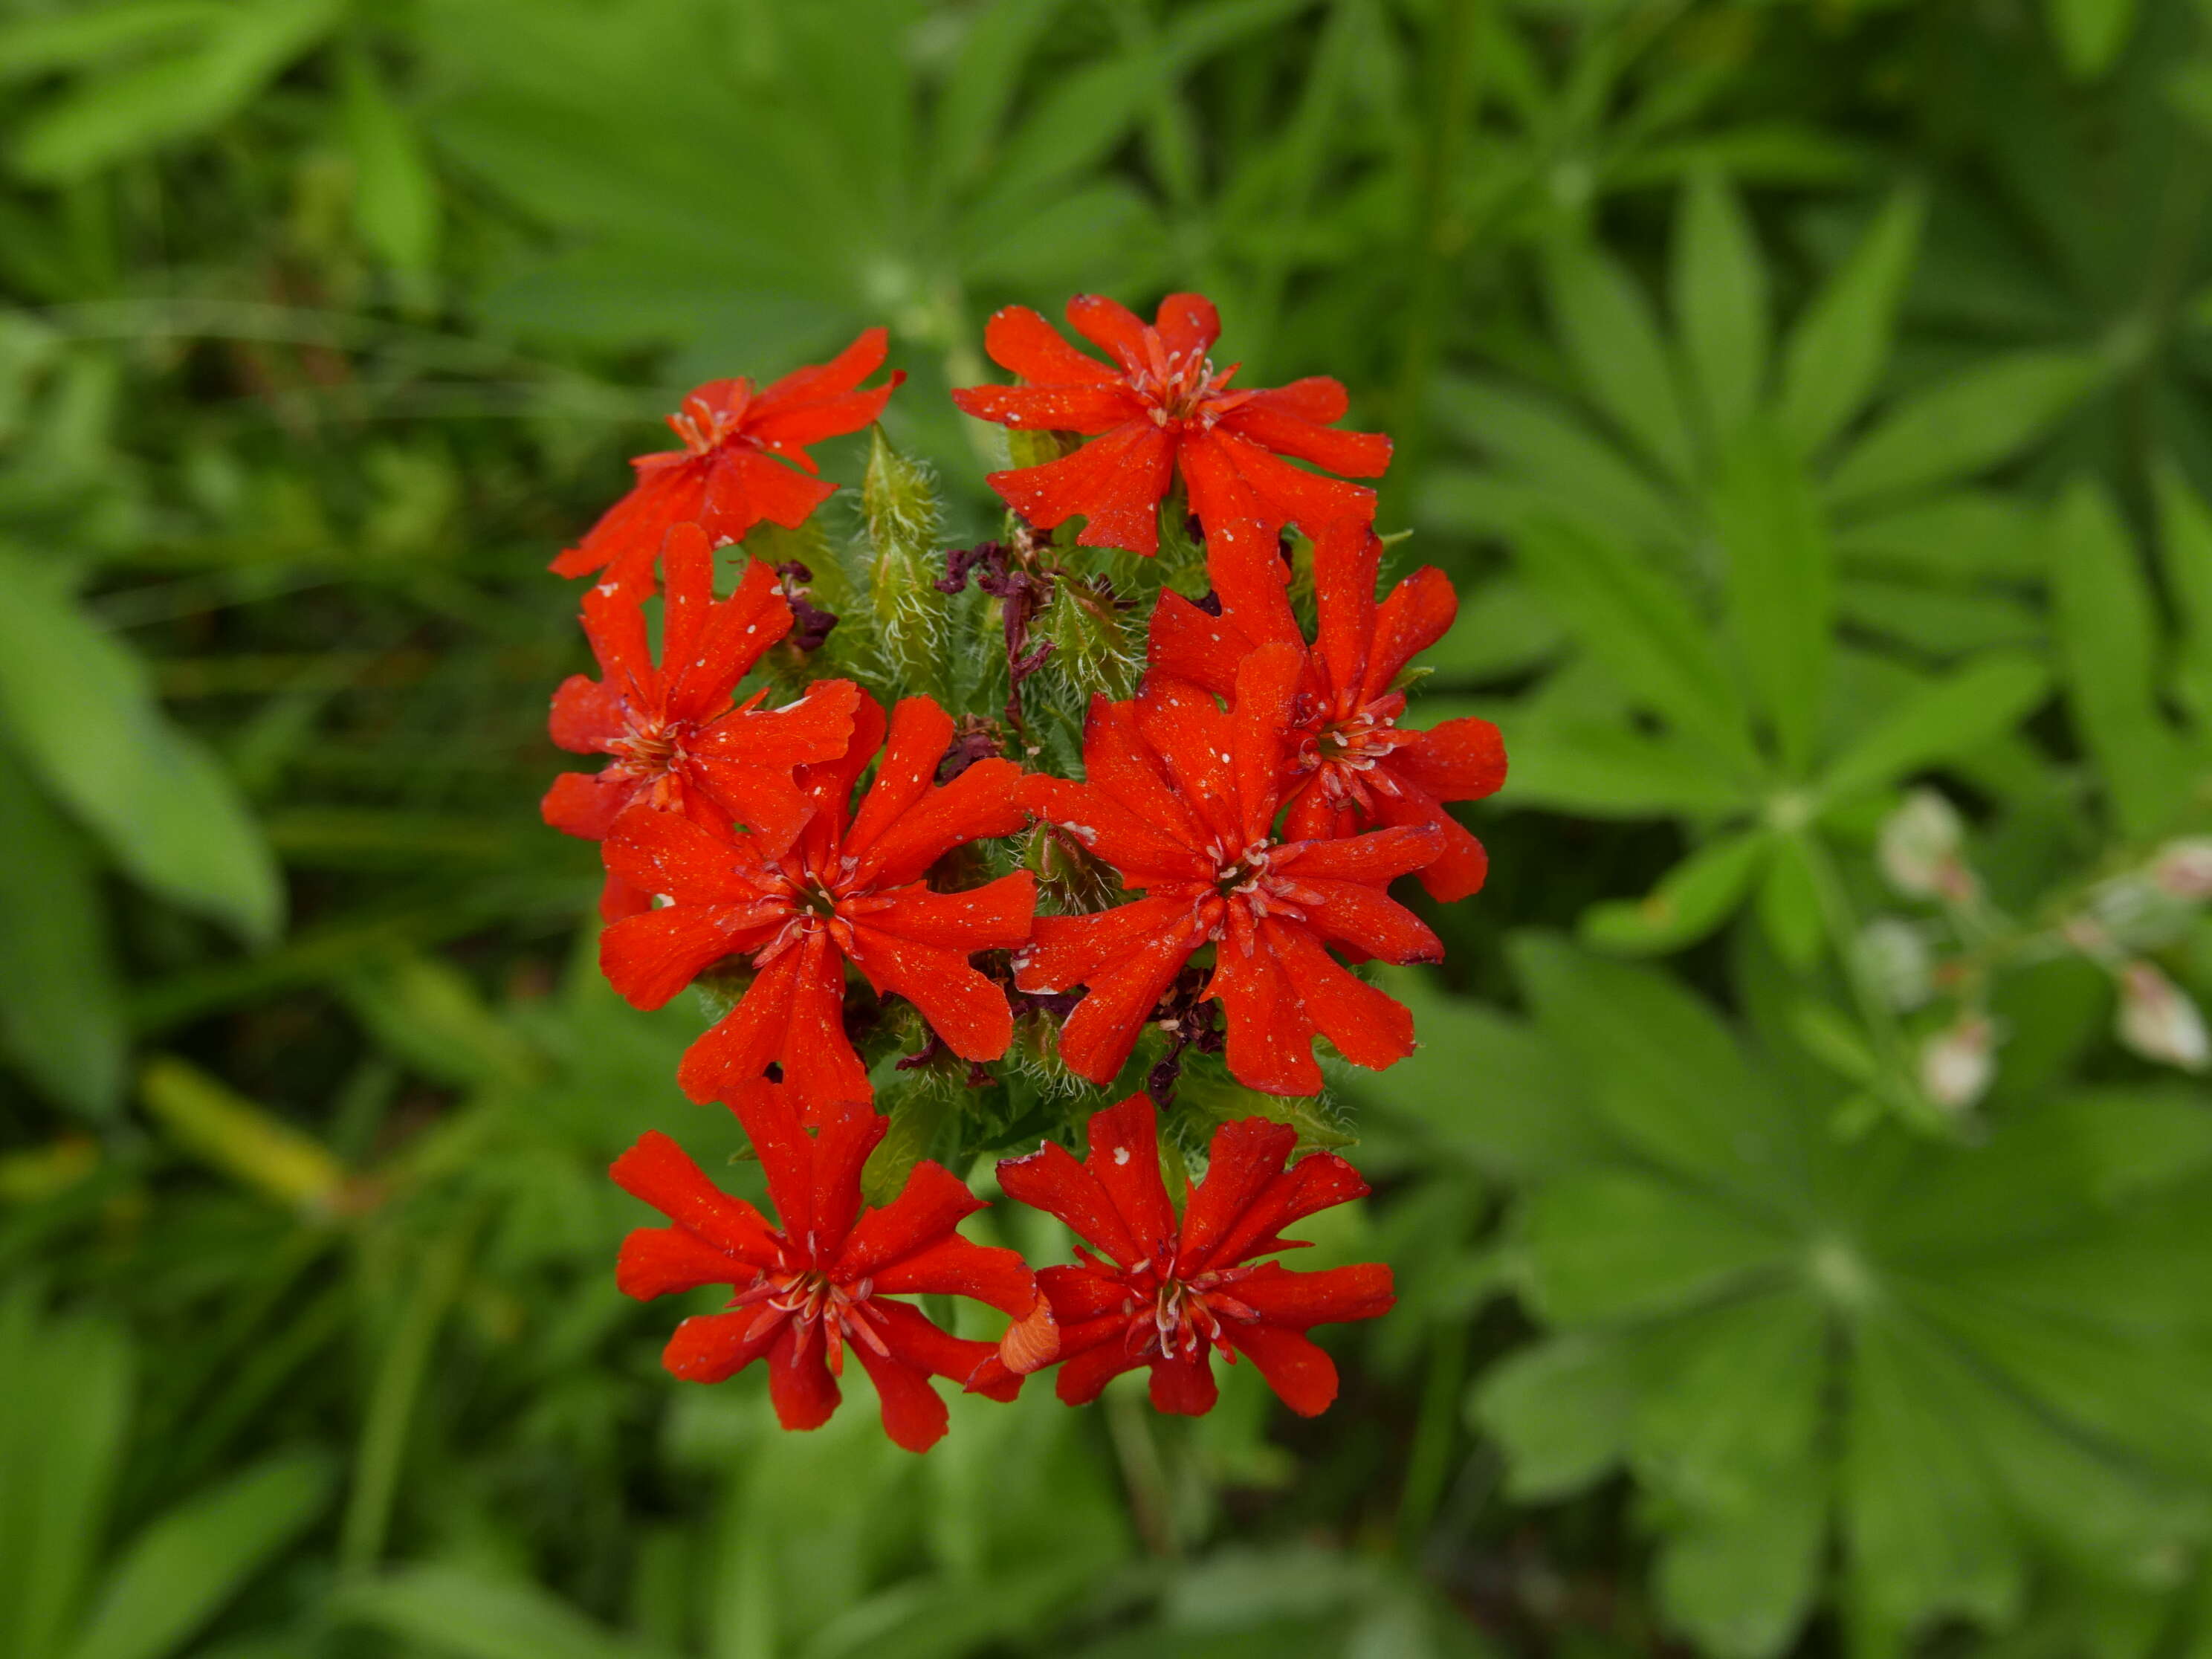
(910, 613)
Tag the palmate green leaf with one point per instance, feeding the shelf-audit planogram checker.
(1720, 303)
(1615, 343)
(37, 44)
(1746, 1398)
(1615, 1245)
(2184, 543)
(1790, 904)
(452, 1610)
(1646, 633)
(984, 80)
(1562, 1410)
(1942, 721)
(1690, 901)
(1781, 594)
(1958, 537)
(61, 1004)
(78, 707)
(1964, 424)
(1741, 1584)
(183, 1567)
(1609, 771)
(1836, 352)
(2108, 644)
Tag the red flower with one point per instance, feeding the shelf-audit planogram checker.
(848, 889)
(1164, 1294)
(1351, 766)
(724, 479)
(1181, 799)
(678, 744)
(1163, 409)
(823, 1279)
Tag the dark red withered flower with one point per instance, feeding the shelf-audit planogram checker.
(1351, 766)
(848, 889)
(1162, 409)
(823, 1279)
(676, 743)
(731, 473)
(1165, 1293)
(1182, 799)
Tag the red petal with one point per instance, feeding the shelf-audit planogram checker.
(1070, 951)
(800, 1385)
(817, 1055)
(955, 1266)
(1244, 1156)
(773, 1124)
(669, 852)
(715, 1348)
(983, 801)
(1356, 454)
(648, 958)
(632, 526)
(1375, 859)
(1049, 1179)
(1100, 1033)
(1302, 1375)
(587, 804)
(1317, 1182)
(919, 734)
(1115, 482)
(745, 1042)
(1185, 1386)
(1370, 922)
(1194, 739)
(1089, 1304)
(817, 382)
(1112, 326)
(661, 1173)
(656, 1261)
(1244, 561)
(1331, 1297)
(1316, 398)
(847, 1130)
(1368, 1028)
(1125, 1161)
(762, 799)
(1270, 1038)
(1187, 644)
(993, 917)
(1188, 324)
(1120, 760)
(719, 646)
(618, 900)
(1121, 837)
(1346, 555)
(1460, 760)
(1080, 1377)
(828, 784)
(966, 1009)
(1413, 618)
(914, 1416)
(587, 718)
(929, 1206)
(1087, 409)
(1230, 479)
(917, 1341)
(744, 487)
(1265, 685)
(1023, 342)
(686, 564)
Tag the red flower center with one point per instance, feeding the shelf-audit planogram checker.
(1183, 386)
(1249, 878)
(1170, 1316)
(817, 1304)
(818, 899)
(703, 426)
(1345, 751)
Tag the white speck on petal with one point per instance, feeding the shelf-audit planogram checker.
(1121, 1155)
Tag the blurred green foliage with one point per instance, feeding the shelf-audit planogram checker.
(1802, 1201)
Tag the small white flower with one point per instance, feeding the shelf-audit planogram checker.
(1920, 848)
(1957, 1063)
(2183, 869)
(2158, 1020)
(1896, 956)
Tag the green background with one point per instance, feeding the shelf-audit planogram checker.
(1810, 400)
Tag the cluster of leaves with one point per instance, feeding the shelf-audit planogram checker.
(1811, 403)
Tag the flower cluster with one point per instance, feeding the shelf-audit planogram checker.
(823, 832)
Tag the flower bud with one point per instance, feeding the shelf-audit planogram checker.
(1920, 849)
(2158, 1020)
(2183, 869)
(908, 610)
(1896, 957)
(1957, 1063)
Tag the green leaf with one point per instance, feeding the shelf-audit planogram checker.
(1561, 1409)
(1610, 772)
(1942, 721)
(1690, 901)
(1961, 538)
(451, 1610)
(2109, 650)
(83, 715)
(1741, 1585)
(1720, 302)
(983, 84)
(1781, 585)
(63, 1440)
(2090, 33)
(1837, 351)
(395, 201)
(1501, 629)
(1966, 425)
(176, 96)
(183, 1568)
(1746, 1400)
(61, 1006)
(1608, 1244)
(1640, 626)
(2185, 541)
(1790, 904)
(1610, 335)
(1925, 1531)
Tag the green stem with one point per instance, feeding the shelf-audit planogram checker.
(1151, 1505)
(1428, 1465)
